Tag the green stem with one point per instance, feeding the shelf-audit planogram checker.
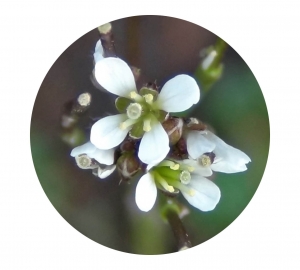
(178, 229)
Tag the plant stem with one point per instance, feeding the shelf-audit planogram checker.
(178, 229)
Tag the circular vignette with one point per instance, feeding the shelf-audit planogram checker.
(104, 210)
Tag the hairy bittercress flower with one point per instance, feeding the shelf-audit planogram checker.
(212, 153)
(176, 175)
(144, 112)
(85, 153)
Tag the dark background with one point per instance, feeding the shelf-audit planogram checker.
(105, 211)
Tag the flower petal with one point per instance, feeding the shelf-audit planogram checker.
(197, 144)
(99, 52)
(106, 172)
(105, 157)
(115, 76)
(206, 196)
(178, 94)
(154, 145)
(106, 133)
(197, 167)
(86, 148)
(146, 193)
(228, 159)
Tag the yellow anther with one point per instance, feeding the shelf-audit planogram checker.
(192, 192)
(148, 98)
(190, 168)
(174, 167)
(122, 126)
(147, 126)
(171, 189)
(133, 94)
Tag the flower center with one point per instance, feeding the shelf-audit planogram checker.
(205, 161)
(134, 111)
(185, 177)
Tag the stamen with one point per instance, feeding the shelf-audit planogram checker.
(148, 98)
(164, 183)
(185, 177)
(128, 123)
(134, 111)
(184, 188)
(175, 167)
(190, 168)
(135, 96)
(147, 126)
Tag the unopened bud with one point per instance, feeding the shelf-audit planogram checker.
(149, 88)
(82, 103)
(194, 124)
(105, 28)
(84, 99)
(127, 145)
(173, 127)
(128, 165)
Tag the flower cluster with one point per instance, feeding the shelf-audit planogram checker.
(174, 155)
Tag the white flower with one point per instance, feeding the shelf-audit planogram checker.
(212, 153)
(84, 153)
(177, 95)
(197, 190)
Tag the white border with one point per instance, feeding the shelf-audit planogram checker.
(266, 236)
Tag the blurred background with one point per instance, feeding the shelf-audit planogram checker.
(105, 211)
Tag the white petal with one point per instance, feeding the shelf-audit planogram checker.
(179, 94)
(228, 159)
(154, 145)
(105, 157)
(106, 133)
(83, 149)
(197, 144)
(99, 52)
(206, 196)
(106, 172)
(197, 168)
(115, 76)
(146, 193)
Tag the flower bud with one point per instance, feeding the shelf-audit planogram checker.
(149, 89)
(128, 165)
(194, 124)
(105, 28)
(127, 145)
(173, 127)
(82, 103)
